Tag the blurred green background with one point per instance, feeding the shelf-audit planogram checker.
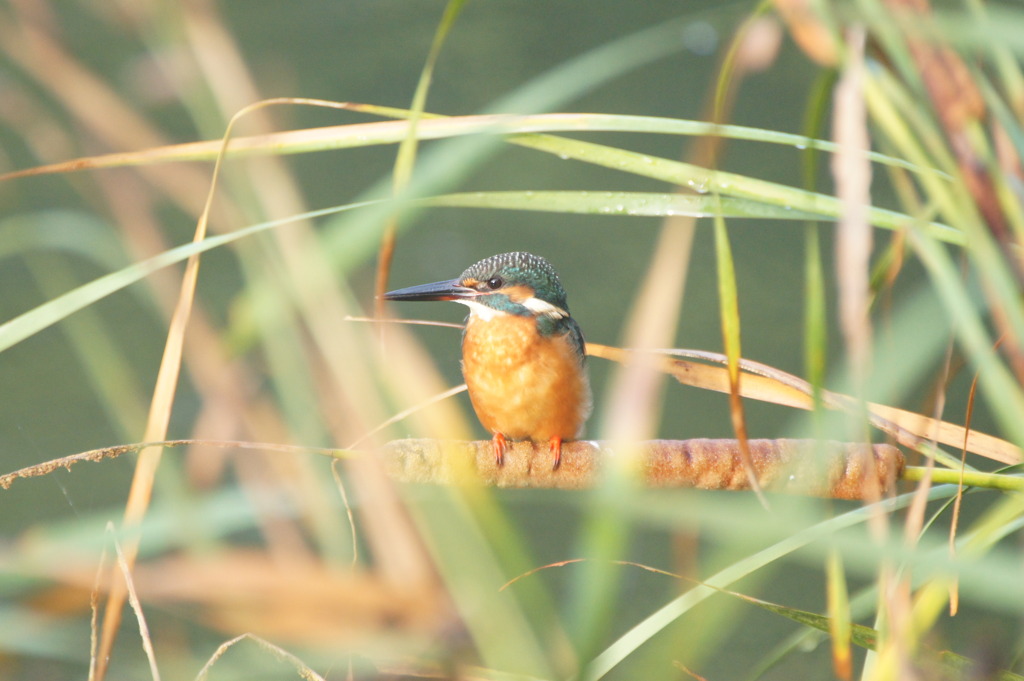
(86, 382)
(372, 52)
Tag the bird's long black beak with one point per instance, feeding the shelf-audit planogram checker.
(439, 290)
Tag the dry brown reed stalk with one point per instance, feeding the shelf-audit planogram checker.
(96, 455)
(958, 104)
(301, 668)
(825, 469)
(765, 383)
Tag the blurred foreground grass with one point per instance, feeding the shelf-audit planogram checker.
(444, 581)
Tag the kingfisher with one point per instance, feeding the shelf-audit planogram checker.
(523, 356)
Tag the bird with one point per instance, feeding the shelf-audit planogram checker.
(523, 355)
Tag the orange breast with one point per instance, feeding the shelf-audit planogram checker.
(523, 385)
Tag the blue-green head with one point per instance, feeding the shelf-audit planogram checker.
(516, 283)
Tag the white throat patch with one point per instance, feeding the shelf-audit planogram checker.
(536, 305)
(480, 311)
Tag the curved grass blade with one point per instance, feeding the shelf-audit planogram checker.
(703, 180)
(1000, 575)
(21, 327)
(407, 149)
(637, 204)
(432, 127)
(997, 383)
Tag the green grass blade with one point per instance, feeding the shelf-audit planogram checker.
(21, 327)
(618, 651)
(434, 127)
(1002, 391)
(407, 149)
(728, 298)
(839, 624)
(637, 204)
(703, 180)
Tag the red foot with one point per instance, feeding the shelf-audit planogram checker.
(499, 444)
(555, 444)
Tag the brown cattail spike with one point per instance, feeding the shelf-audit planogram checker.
(825, 469)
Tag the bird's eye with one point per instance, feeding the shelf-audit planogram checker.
(495, 283)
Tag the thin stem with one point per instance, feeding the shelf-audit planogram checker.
(970, 478)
